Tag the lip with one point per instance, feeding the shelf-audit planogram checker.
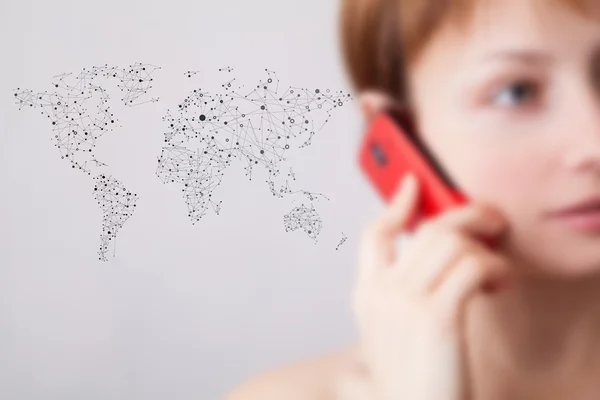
(583, 216)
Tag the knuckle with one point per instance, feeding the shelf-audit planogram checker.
(481, 209)
(427, 228)
(455, 242)
(490, 212)
(474, 264)
(481, 265)
(498, 262)
(474, 212)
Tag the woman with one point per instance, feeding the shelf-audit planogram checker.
(506, 93)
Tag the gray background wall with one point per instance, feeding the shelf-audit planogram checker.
(183, 311)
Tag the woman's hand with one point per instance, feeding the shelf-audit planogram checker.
(409, 306)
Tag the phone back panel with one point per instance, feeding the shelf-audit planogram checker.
(388, 153)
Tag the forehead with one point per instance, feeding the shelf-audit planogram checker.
(567, 25)
(457, 54)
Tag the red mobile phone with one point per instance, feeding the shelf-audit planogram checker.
(392, 148)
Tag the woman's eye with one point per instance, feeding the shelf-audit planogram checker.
(515, 94)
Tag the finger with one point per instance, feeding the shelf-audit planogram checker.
(475, 220)
(432, 265)
(379, 239)
(401, 209)
(470, 274)
(470, 221)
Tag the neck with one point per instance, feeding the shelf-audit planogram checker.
(541, 324)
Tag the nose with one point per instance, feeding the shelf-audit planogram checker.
(583, 149)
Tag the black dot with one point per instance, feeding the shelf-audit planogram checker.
(261, 107)
(202, 117)
(317, 91)
(262, 152)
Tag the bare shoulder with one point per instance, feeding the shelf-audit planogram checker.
(325, 377)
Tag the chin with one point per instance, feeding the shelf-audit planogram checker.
(571, 269)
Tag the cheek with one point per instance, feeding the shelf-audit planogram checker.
(488, 173)
(500, 162)
(504, 172)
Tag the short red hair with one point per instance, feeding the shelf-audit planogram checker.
(380, 38)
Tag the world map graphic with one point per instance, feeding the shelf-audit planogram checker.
(260, 125)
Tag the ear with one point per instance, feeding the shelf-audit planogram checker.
(373, 102)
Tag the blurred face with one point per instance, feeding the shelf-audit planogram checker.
(511, 106)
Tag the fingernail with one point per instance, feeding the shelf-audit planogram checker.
(409, 179)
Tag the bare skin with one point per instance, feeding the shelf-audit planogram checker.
(530, 123)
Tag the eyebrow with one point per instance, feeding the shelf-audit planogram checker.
(522, 56)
